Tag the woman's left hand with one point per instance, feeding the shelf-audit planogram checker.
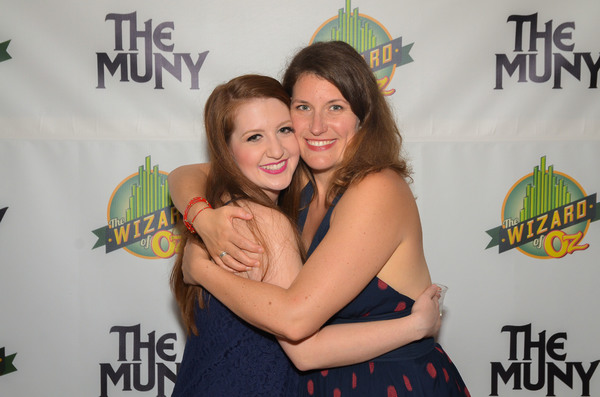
(426, 310)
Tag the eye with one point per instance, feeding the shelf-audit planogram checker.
(286, 130)
(253, 138)
(336, 107)
(302, 107)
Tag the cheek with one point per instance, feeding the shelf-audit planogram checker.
(350, 127)
(244, 159)
(299, 121)
(293, 148)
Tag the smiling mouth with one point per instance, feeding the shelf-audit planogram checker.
(275, 168)
(319, 143)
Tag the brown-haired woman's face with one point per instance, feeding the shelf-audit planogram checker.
(323, 120)
(263, 144)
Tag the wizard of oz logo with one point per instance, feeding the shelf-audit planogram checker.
(546, 214)
(141, 216)
(371, 39)
(6, 362)
(4, 55)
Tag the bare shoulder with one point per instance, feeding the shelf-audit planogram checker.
(282, 260)
(380, 203)
(379, 188)
(268, 219)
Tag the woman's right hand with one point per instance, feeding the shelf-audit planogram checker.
(215, 227)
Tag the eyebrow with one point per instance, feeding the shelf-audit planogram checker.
(260, 130)
(295, 100)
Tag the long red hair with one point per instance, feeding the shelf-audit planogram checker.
(225, 180)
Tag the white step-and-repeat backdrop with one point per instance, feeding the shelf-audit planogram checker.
(499, 106)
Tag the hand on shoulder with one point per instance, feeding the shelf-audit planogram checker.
(280, 262)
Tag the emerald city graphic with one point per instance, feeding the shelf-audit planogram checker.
(353, 29)
(546, 192)
(370, 39)
(140, 216)
(149, 194)
(546, 214)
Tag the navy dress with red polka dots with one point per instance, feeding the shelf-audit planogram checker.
(421, 368)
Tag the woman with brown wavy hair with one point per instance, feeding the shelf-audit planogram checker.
(254, 155)
(360, 225)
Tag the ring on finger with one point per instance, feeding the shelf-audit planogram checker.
(222, 254)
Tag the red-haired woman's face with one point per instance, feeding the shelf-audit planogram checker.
(263, 144)
(323, 120)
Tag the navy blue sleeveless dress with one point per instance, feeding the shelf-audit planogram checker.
(229, 357)
(421, 368)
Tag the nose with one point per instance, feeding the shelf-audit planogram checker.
(275, 149)
(318, 124)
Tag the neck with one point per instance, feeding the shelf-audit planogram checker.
(274, 196)
(323, 182)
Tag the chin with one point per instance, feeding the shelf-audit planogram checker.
(320, 166)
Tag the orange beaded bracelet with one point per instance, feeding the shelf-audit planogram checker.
(193, 201)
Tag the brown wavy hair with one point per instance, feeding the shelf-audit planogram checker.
(225, 180)
(377, 144)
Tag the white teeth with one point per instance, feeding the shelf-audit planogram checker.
(320, 143)
(274, 167)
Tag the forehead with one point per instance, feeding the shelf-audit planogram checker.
(259, 113)
(253, 106)
(310, 85)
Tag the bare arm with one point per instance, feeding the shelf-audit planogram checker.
(186, 182)
(372, 219)
(346, 344)
(334, 345)
(215, 227)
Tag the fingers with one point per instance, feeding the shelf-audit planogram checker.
(240, 258)
(238, 246)
(238, 241)
(432, 291)
(230, 255)
(220, 236)
(243, 244)
(229, 263)
(238, 212)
